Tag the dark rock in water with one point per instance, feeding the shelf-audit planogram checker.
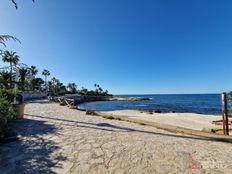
(157, 111)
(128, 99)
(150, 111)
(172, 111)
(138, 99)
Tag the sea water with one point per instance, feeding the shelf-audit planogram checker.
(191, 103)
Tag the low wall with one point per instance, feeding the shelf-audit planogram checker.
(31, 96)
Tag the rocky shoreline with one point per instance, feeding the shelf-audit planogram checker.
(129, 99)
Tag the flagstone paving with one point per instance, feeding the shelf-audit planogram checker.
(55, 139)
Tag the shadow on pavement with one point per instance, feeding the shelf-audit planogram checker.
(116, 128)
(32, 153)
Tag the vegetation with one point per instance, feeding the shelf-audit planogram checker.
(109, 117)
(36, 84)
(97, 92)
(5, 38)
(15, 3)
(5, 78)
(23, 72)
(7, 94)
(46, 73)
(72, 87)
(11, 58)
(56, 87)
(7, 111)
(26, 80)
(33, 70)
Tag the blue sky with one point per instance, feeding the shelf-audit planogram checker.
(126, 46)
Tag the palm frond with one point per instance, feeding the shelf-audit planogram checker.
(5, 38)
(15, 3)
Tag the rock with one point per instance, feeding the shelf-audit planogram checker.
(138, 99)
(157, 111)
(129, 99)
(90, 112)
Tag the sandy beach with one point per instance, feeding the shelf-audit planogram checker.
(56, 139)
(185, 120)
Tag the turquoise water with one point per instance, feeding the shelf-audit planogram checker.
(192, 103)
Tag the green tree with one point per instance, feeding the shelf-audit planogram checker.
(33, 70)
(7, 111)
(83, 91)
(23, 72)
(46, 73)
(36, 83)
(72, 87)
(57, 86)
(12, 58)
(50, 86)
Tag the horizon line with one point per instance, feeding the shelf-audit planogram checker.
(172, 94)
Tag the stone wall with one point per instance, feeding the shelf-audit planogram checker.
(31, 96)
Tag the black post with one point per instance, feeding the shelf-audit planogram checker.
(225, 114)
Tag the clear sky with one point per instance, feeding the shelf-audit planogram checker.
(126, 46)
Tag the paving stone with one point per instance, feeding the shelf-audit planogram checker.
(55, 139)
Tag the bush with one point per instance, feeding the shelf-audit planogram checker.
(7, 94)
(7, 111)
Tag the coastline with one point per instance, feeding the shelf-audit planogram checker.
(201, 104)
(201, 122)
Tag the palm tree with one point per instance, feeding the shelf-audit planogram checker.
(36, 84)
(13, 59)
(50, 86)
(23, 72)
(97, 89)
(100, 90)
(46, 73)
(33, 70)
(84, 91)
(72, 87)
(61, 88)
(57, 86)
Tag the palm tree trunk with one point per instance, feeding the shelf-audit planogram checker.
(11, 74)
(23, 85)
(46, 85)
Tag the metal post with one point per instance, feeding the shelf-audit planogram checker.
(225, 114)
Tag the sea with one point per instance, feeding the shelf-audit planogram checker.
(181, 103)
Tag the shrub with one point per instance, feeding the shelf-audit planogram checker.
(7, 94)
(7, 111)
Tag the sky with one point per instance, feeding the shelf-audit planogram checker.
(126, 46)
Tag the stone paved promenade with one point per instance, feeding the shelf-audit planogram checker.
(55, 139)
